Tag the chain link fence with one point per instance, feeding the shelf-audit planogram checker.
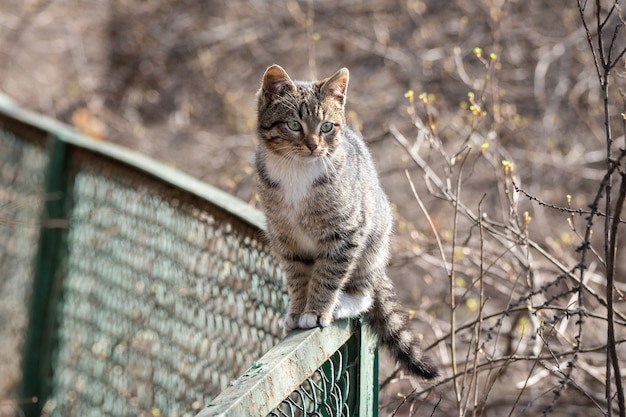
(150, 293)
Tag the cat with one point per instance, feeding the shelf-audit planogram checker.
(328, 219)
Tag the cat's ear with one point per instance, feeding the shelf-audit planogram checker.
(336, 85)
(276, 82)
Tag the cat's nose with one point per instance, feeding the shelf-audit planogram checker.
(311, 146)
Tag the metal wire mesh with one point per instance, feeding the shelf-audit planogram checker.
(319, 372)
(22, 173)
(164, 303)
(162, 298)
(329, 391)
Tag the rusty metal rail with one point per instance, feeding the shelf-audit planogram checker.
(320, 372)
(150, 293)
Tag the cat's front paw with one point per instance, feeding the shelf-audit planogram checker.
(290, 323)
(311, 320)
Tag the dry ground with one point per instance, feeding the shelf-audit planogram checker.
(177, 81)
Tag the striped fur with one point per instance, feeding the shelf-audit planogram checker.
(329, 221)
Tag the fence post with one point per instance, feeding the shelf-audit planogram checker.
(36, 384)
(368, 372)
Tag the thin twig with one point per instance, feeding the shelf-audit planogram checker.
(560, 208)
(604, 64)
(612, 358)
(492, 227)
(452, 277)
(481, 308)
(430, 221)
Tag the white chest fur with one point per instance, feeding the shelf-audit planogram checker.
(295, 176)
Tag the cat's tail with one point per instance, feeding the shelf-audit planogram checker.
(391, 325)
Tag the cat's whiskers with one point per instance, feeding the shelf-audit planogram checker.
(287, 158)
(283, 147)
(294, 153)
(329, 167)
(325, 163)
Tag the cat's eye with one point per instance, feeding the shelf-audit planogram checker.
(327, 127)
(295, 126)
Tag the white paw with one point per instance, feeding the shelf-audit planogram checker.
(351, 305)
(307, 321)
(310, 320)
(325, 320)
(290, 323)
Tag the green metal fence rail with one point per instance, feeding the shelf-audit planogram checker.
(128, 288)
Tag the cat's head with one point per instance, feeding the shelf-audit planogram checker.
(300, 119)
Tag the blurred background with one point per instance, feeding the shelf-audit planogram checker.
(177, 79)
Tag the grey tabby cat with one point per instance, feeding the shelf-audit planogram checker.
(329, 221)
